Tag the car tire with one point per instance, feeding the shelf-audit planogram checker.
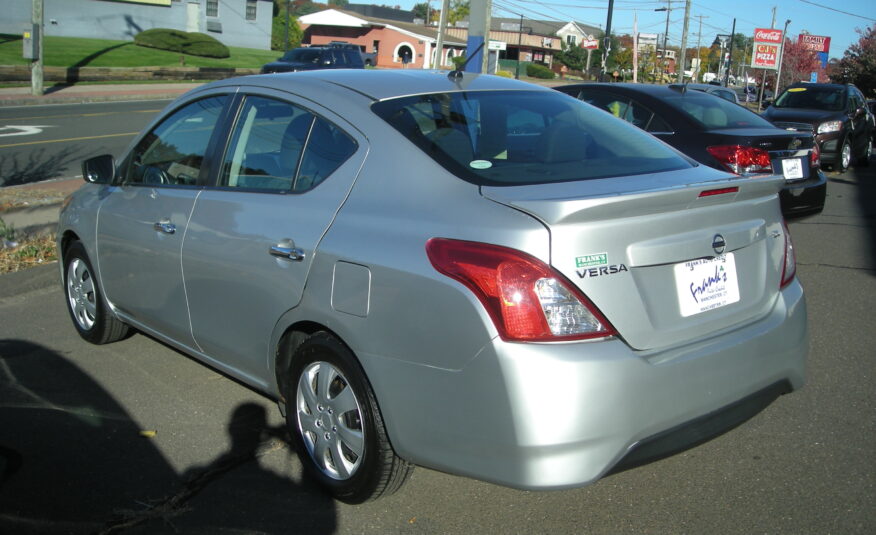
(844, 158)
(336, 425)
(864, 160)
(91, 316)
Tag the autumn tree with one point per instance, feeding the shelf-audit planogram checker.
(858, 64)
(798, 62)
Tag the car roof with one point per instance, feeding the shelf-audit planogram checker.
(383, 84)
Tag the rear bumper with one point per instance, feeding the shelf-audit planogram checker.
(552, 416)
(805, 197)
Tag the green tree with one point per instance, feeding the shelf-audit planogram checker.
(459, 10)
(421, 11)
(573, 57)
(338, 3)
(278, 31)
(858, 64)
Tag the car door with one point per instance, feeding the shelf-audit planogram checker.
(252, 237)
(142, 220)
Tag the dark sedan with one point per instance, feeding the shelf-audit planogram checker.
(719, 134)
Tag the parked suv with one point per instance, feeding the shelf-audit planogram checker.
(316, 57)
(369, 58)
(836, 114)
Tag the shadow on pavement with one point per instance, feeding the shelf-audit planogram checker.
(72, 460)
(36, 166)
(864, 178)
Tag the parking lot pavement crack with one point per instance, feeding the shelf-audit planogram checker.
(165, 509)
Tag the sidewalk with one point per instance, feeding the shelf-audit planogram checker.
(72, 94)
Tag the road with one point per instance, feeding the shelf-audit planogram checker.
(134, 437)
(45, 142)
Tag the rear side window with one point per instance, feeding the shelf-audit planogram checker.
(505, 138)
(279, 147)
(715, 113)
(625, 108)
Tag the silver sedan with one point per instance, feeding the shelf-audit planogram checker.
(463, 272)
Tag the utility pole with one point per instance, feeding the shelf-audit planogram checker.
(729, 55)
(666, 33)
(635, 46)
(286, 30)
(36, 66)
(442, 24)
(683, 52)
(695, 76)
(781, 58)
(606, 46)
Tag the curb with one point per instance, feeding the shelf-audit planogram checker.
(86, 99)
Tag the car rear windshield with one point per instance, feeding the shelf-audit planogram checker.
(507, 138)
(715, 113)
(815, 98)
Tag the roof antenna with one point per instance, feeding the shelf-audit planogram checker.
(457, 72)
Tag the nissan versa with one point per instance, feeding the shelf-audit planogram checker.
(463, 272)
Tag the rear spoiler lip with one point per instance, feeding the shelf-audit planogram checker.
(601, 199)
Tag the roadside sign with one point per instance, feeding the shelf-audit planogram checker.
(497, 45)
(767, 44)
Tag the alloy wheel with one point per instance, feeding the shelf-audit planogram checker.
(81, 294)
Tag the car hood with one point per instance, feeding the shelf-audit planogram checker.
(801, 115)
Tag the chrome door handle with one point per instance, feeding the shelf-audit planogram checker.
(164, 226)
(287, 253)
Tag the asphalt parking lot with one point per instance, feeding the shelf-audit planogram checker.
(135, 437)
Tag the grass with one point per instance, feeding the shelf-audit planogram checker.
(78, 52)
(28, 252)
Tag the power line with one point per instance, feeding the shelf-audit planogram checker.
(837, 10)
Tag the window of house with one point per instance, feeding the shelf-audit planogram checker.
(212, 8)
(251, 9)
(570, 40)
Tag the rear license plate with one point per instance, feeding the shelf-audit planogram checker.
(792, 168)
(706, 284)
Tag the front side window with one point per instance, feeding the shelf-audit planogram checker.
(212, 8)
(503, 138)
(279, 147)
(251, 9)
(173, 153)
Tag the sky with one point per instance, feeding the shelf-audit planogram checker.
(837, 20)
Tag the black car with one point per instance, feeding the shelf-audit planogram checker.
(718, 133)
(836, 113)
(316, 57)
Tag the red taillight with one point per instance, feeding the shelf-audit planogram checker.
(527, 300)
(815, 157)
(789, 267)
(742, 160)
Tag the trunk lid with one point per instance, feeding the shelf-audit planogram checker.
(640, 248)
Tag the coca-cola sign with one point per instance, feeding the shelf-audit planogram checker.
(767, 35)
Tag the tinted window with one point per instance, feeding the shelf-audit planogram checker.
(625, 108)
(712, 113)
(814, 97)
(524, 137)
(277, 146)
(302, 55)
(173, 152)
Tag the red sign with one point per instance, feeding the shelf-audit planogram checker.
(590, 44)
(767, 35)
(765, 56)
(818, 43)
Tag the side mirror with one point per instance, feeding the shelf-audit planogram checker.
(99, 170)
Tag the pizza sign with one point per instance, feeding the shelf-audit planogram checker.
(767, 44)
